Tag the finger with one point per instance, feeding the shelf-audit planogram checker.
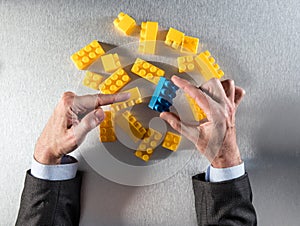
(89, 122)
(188, 131)
(200, 97)
(214, 89)
(228, 86)
(239, 95)
(84, 104)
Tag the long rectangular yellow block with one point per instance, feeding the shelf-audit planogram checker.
(87, 55)
(198, 113)
(148, 37)
(135, 98)
(207, 66)
(107, 132)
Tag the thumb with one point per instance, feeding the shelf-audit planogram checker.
(89, 122)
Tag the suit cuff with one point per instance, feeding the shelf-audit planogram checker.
(65, 171)
(224, 174)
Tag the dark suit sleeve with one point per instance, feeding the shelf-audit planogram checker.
(45, 202)
(224, 203)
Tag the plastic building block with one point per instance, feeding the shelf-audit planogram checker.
(135, 98)
(107, 132)
(114, 82)
(125, 23)
(162, 98)
(147, 71)
(148, 37)
(189, 44)
(131, 126)
(171, 141)
(148, 144)
(207, 66)
(92, 80)
(111, 62)
(198, 113)
(174, 38)
(87, 55)
(185, 63)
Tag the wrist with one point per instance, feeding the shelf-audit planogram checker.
(46, 156)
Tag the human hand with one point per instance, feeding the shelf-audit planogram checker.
(72, 119)
(214, 137)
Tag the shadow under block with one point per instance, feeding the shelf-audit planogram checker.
(130, 125)
(148, 37)
(162, 98)
(111, 62)
(148, 144)
(174, 38)
(135, 98)
(107, 132)
(198, 113)
(185, 63)
(87, 55)
(125, 23)
(189, 44)
(171, 141)
(206, 65)
(92, 80)
(115, 82)
(147, 71)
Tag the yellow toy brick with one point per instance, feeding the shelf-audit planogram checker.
(135, 98)
(185, 63)
(87, 55)
(147, 71)
(207, 66)
(131, 126)
(125, 23)
(111, 62)
(148, 37)
(174, 38)
(189, 44)
(107, 132)
(198, 113)
(114, 82)
(148, 144)
(92, 80)
(171, 141)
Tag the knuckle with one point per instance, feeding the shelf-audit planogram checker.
(67, 98)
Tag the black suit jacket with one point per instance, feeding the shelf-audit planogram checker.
(57, 203)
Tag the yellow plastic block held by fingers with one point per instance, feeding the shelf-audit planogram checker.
(135, 98)
(115, 82)
(125, 23)
(174, 38)
(207, 66)
(189, 44)
(147, 71)
(185, 63)
(171, 141)
(148, 144)
(148, 37)
(107, 132)
(92, 80)
(87, 55)
(198, 113)
(111, 62)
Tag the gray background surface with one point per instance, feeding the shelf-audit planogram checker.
(255, 42)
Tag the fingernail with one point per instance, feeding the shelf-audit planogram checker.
(99, 114)
(122, 97)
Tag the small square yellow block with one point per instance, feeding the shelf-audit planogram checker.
(185, 63)
(148, 144)
(115, 82)
(107, 132)
(87, 55)
(198, 113)
(207, 66)
(148, 37)
(171, 141)
(189, 44)
(92, 80)
(135, 98)
(174, 38)
(125, 23)
(111, 62)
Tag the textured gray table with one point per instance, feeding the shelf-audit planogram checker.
(255, 42)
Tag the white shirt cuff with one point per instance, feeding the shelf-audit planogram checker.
(223, 174)
(64, 171)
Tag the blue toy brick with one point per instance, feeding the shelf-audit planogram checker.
(162, 98)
